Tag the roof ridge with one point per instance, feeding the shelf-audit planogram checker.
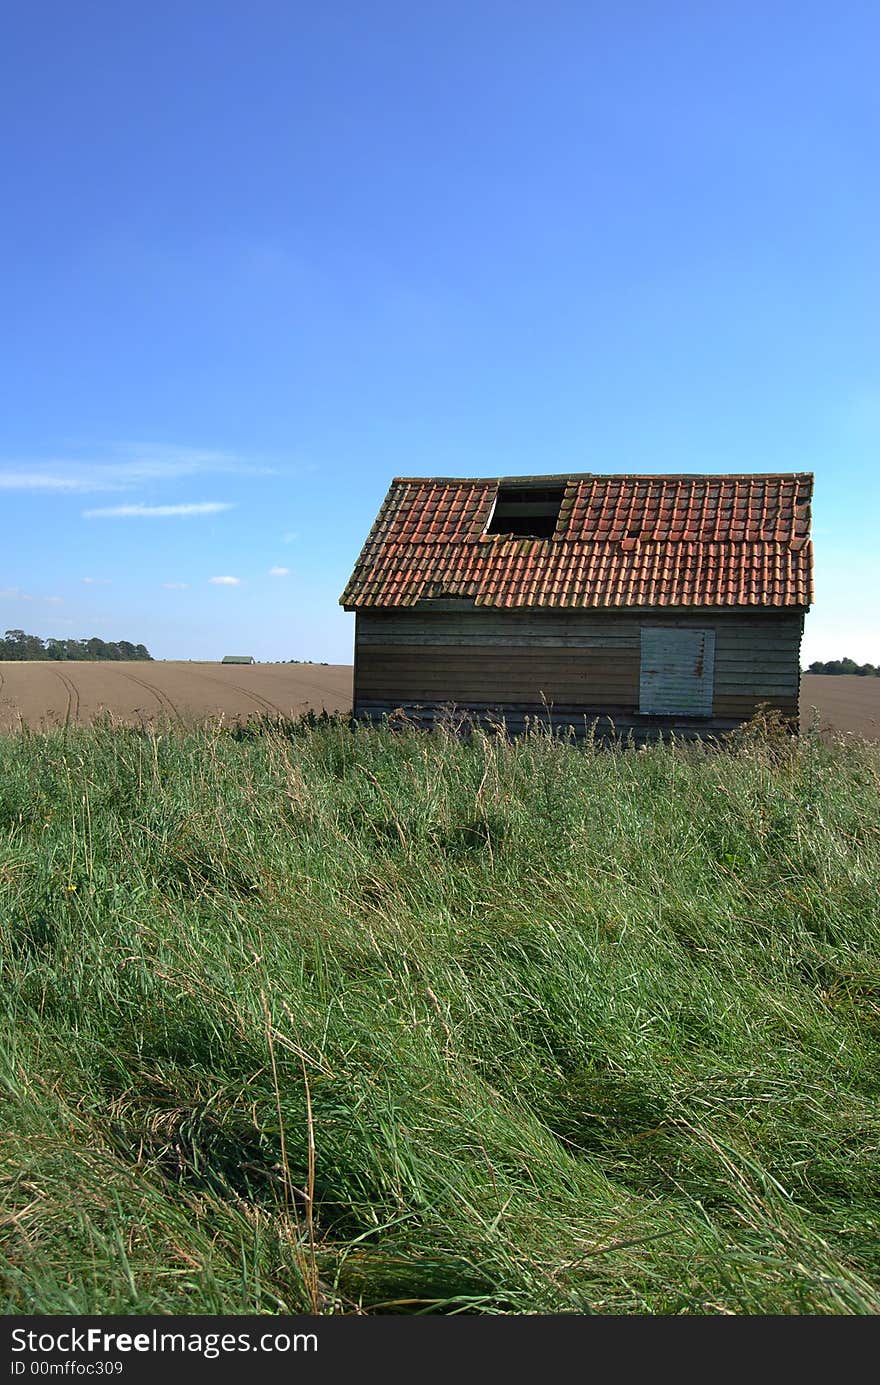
(605, 476)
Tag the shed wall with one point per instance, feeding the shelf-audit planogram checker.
(584, 664)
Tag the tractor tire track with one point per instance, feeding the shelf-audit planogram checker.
(304, 683)
(262, 702)
(161, 697)
(72, 697)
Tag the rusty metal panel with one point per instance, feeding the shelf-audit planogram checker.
(676, 677)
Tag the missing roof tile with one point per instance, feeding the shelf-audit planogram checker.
(526, 511)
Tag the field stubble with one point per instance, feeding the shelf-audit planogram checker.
(42, 694)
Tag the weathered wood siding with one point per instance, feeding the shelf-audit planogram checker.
(584, 664)
(509, 673)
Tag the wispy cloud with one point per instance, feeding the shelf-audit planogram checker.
(226, 581)
(16, 594)
(59, 480)
(161, 459)
(290, 537)
(205, 507)
(125, 467)
(175, 586)
(95, 581)
(279, 571)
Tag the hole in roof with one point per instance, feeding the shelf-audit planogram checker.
(526, 511)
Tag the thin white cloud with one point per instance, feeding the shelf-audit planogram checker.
(206, 507)
(279, 571)
(226, 581)
(95, 581)
(150, 461)
(57, 481)
(290, 537)
(175, 586)
(16, 594)
(125, 467)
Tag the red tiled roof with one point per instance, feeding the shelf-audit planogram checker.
(619, 541)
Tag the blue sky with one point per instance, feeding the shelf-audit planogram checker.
(258, 259)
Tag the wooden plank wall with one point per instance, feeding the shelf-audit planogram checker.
(586, 662)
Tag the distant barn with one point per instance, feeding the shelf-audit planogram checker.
(238, 659)
(646, 602)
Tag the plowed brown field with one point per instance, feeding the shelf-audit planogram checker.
(51, 694)
(844, 702)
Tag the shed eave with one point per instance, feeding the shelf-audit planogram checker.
(597, 608)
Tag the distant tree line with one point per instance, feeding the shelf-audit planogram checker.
(845, 666)
(17, 645)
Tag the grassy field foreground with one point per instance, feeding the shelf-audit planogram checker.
(335, 1020)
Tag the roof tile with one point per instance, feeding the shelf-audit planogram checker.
(619, 541)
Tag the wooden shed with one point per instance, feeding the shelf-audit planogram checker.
(646, 602)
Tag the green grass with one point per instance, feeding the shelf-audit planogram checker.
(322, 1019)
